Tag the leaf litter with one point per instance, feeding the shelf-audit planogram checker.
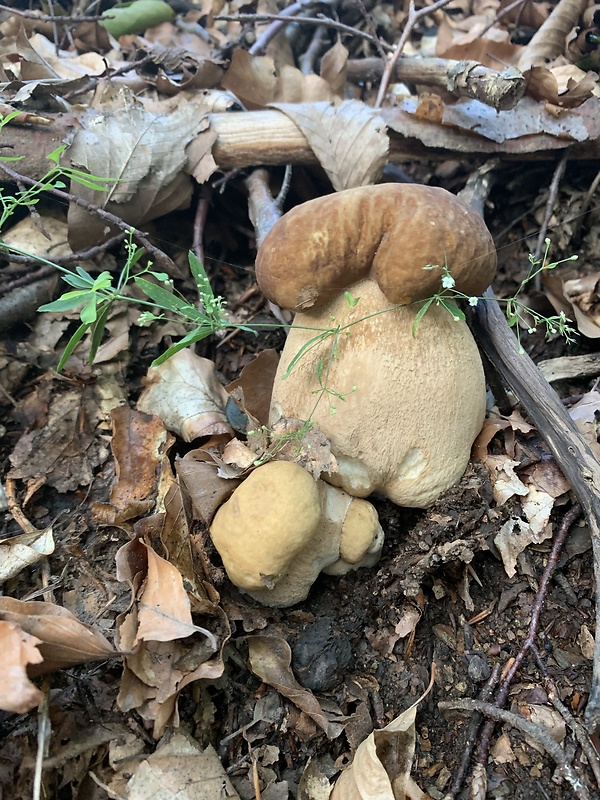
(186, 660)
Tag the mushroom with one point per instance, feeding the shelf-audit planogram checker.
(280, 529)
(412, 404)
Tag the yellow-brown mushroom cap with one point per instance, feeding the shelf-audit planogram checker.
(388, 233)
(266, 522)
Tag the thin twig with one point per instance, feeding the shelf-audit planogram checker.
(488, 729)
(413, 18)
(580, 733)
(160, 258)
(272, 30)
(506, 10)
(318, 20)
(536, 732)
(471, 737)
(51, 17)
(550, 203)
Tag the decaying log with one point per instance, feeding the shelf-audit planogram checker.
(569, 367)
(574, 457)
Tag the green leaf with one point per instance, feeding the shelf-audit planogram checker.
(160, 276)
(11, 158)
(420, 314)
(56, 154)
(103, 281)
(162, 297)
(190, 338)
(88, 313)
(66, 302)
(352, 301)
(199, 273)
(98, 330)
(77, 282)
(452, 309)
(72, 344)
(316, 340)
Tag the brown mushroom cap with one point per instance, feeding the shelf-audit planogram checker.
(387, 233)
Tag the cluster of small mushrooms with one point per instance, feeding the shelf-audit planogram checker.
(406, 431)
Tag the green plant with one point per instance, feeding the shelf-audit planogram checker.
(518, 315)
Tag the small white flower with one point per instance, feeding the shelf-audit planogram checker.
(473, 301)
(448, 282)
(562, 316)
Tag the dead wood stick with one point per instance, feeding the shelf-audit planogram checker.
(572, 454)
(500, 90)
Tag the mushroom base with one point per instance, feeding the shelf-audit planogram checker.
(412, 405)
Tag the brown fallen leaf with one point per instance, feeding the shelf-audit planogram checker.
(185, 393)
(17, 650)
(270, 659)
(140, 445)
(63, 639)
(206, 489)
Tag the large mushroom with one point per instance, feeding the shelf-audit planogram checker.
(281, 528)
(412, 404)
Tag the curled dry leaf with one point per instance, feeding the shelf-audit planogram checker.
(17, 650)
(270, 660)
(382, 763)
(205, 486)
(158, 665)
(140, 445)
(20, 551)
(63, 639)
(349, 139)
(185, 393)
(549, 40)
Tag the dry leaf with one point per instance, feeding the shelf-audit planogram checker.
(185, 393)
(514, 536)
(206, 489)
(21, 551)
(349, 140)
(586, 643)
(549, 40)
(140, 445)
(63, 639)
(585, 414)
(179, 770)
(270, 659)
(17, 650)
(382, 763)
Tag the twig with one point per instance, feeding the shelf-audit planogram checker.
(106, 75)
(481, 756)
(550, 203)
(472, 732)
(160, 258)
(413, 18)
(530, 729)
(307, 60)
(319, 20)
(506, 10)
(584, 206)
(52, 17)
(42, 739)
(267, 36)
(199, 223)
(580, 734)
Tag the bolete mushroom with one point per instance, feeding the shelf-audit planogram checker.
(413, 404)
(280, 529)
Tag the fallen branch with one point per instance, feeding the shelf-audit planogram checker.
(570, 451)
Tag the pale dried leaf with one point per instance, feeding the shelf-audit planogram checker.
(537, 506)
(164, 612)
(17, 650)
(409, 618)
(548, 42)
(514, 536)
(21, 551)
(185, 393)
(333, 68)
(502, 751)
(382, 763)
(251, 78)
(180, 770)
(63, 639)
(349, 140)
(586, 642)
(314, 784)
(505, 481)
(585, 416)
(205, 487)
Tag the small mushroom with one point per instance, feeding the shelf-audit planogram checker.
(413, 404)
(280, 529)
